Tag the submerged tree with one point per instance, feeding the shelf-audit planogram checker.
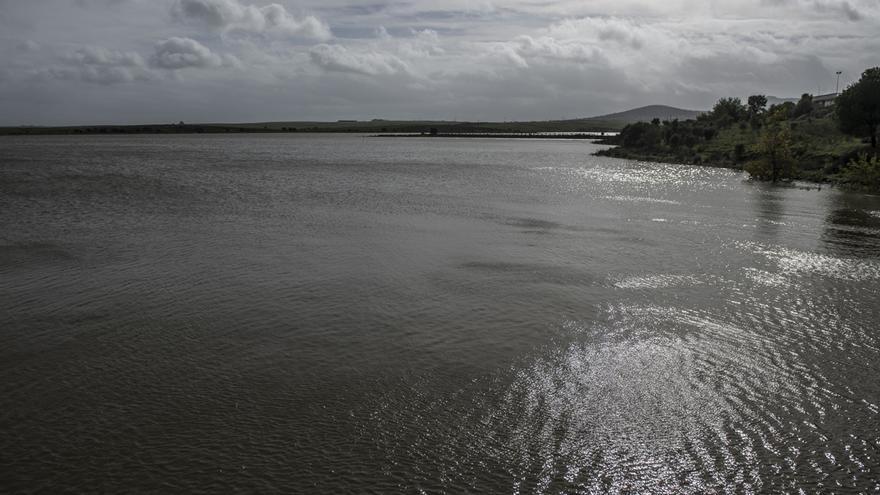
(858, 107)
(775, 160)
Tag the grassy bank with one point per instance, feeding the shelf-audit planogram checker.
(819, 150)
(833, 140)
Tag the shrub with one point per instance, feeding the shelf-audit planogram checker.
(864, 172)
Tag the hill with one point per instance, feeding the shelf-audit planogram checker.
(649, 113)
(613, 122)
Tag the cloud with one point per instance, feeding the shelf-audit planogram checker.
(96, 65)
(99, 3)
(99, 56)
(231, 15)
(843, 7)
(508, 53)
(823, 7)
(181, 53)
(337, 58)
(496, 59)
(563, 50)
(105, 75)
(27, 46)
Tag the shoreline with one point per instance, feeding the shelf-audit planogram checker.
(617, 151)
(546, 135)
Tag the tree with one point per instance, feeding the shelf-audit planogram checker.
(757, 103)
(641, 135)
(728, 111)
(804, 106)
(780, 113)
(776, 161)
(858, 107)
(757, 107)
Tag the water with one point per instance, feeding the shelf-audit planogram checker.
(347, 314)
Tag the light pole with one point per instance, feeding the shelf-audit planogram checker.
(837, 88)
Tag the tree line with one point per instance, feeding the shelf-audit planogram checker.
(774, 152)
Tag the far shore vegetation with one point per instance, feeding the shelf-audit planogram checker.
(829, 140)
(343, 126)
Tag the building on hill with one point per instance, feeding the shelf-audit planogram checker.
(825, 101)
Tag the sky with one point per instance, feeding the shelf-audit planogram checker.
(68, 62)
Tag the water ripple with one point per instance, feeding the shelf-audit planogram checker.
(793, 261)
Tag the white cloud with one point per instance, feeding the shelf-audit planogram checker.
(508, 54)
(180, 53)
(559, 49)
(96, 65)
(106, 75)
(231, 15)
(100, 56)
(337, 58)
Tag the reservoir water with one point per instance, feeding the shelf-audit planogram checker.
(343, 314)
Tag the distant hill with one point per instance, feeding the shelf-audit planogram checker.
(649, 113)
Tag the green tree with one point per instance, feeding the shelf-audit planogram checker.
(858, 107)
(775, 160)
(781, 112)
(641, 135)
(804, 106)
(757, 108)
(757, 104)
(728, 111)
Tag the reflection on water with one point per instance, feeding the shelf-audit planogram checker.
(769, 204)
(851, 227)
(337, 314)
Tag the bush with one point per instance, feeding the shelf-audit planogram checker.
(781, 112)
(641, 135)
(804, 106)
(864, 173)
